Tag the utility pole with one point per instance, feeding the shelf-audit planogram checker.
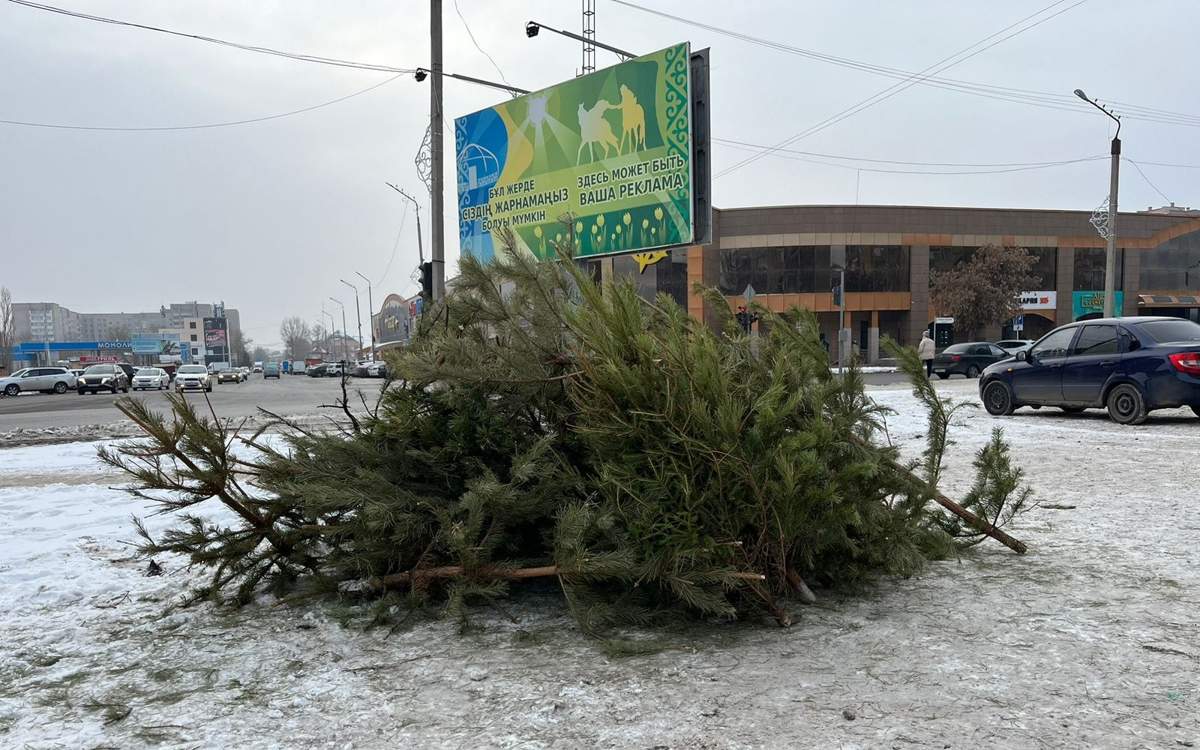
(345, 351)
(370, 313)
(1110, 255)
(357, 315)
(438, 251)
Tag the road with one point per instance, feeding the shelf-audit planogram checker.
(290, 395)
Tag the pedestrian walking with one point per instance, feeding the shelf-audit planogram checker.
(925, 352)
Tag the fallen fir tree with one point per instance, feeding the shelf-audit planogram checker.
(541, 426)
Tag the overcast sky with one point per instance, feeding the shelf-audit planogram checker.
(268, 216)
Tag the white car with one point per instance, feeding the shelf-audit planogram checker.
(41, 379)
(377, 369)
(194, 378)
(151, 377)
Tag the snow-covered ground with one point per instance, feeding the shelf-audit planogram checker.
(1088, 641)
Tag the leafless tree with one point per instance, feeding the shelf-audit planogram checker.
(986, 289)
(8, 329)
(295, 334)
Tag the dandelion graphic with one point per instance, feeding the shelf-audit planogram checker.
(600, 220)
(658, 215)
(620, 237)
(537, 232)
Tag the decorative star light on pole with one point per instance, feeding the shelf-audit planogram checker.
(1099, 220)
(424, 162)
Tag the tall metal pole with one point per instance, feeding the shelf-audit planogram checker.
(843, 339)
(438, 252)
(370, 313)
(344, 349)
(1110, 257)
(357, 315)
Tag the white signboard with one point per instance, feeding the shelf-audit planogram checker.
(1039, 300)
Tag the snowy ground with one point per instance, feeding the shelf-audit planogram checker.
(1088, 641)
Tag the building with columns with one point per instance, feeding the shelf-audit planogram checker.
(783, 252)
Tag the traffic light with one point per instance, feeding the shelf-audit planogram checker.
(427, 281)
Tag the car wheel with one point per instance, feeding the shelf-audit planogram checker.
(12, 389)
(1072, 409)
(972, 372)
(208, 389)
(997, 399)
(60, 387)
(113, 389)
(1126, 405)
(943, 375)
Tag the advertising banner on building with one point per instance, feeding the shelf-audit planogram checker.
(392, 318)
(1039, 300)
(1092, 303)
(613, 149)
(215, 334)
(147, 343)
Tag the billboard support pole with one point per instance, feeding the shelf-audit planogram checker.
(437, 252)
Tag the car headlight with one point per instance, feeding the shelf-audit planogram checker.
(104, 380)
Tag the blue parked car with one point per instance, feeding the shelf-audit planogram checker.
(1131, 366)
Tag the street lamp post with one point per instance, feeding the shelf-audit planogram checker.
(345, 353)
(1110, 259)
(332, 324)
(533, 27)
(370, 313)
(357, 315)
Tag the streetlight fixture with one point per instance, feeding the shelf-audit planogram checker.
(345, 353)
(1110, 259)
(357, 315)
(533, 27)
(422, 73)
(370, 313)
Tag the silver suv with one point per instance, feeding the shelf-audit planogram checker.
(43, 379)
(193, 377)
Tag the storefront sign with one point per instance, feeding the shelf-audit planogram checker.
(1092, 303)
(1039, 300)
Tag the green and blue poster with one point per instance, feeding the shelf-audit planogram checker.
(1092, 304)
(611, 150)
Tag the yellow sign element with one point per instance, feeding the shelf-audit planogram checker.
(645, 260)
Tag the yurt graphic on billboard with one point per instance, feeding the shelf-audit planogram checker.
(611, 149)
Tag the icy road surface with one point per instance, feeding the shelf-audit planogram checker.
(1092, 640)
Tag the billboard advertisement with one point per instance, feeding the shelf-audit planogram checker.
(156, 343)
(613, 149)
(215, 334)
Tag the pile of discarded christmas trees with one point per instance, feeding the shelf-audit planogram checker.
(541, 425)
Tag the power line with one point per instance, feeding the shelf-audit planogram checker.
(758, 146)
(213, 40)
(1147, 179)
(467, 26)
(205, 126)
(395, 246)
(943, 64)
(1044, 99)
(787, 154)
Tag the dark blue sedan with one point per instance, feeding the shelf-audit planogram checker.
(1130, 366)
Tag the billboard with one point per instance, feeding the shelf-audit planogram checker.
(614, 149)
(156, 343)
(215, 334)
